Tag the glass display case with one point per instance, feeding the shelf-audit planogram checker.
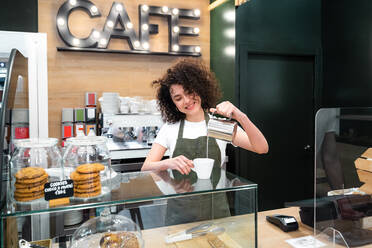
(160, 210)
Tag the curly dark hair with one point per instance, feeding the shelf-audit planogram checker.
(195, 78)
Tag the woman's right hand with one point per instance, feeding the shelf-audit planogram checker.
(180, 163)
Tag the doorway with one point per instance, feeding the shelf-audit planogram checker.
(277, 92)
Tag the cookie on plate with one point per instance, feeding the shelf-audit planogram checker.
(19, 185)
(120, 239)
(90, 168)
(88, 190)
(76, 176)
(28, 196)
(31, 189)
(87, 194)
(30, 173)
(87, 184)
(32, 180)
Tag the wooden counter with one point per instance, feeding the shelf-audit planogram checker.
(238, 234)
(269, 235)
(272, 236)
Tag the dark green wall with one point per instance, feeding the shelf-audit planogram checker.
(347, 44)
(19, 15)
(221, 64)
(293, 24)
(273, 39)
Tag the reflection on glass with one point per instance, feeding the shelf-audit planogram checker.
(343, 205)
(14, 115)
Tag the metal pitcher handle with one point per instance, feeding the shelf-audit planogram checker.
(228, 118)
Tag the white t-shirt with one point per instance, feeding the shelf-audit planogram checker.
(168, 134)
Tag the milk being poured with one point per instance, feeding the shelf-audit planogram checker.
(207, 139)
(207, 145)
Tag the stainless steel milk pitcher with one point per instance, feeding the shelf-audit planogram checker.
(221, 128)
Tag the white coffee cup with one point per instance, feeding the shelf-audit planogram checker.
(203, 167)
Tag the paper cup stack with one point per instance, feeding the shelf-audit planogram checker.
(110, 103)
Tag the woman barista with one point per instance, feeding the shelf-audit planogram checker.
(185, 94)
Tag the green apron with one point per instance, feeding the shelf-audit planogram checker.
(201, 207)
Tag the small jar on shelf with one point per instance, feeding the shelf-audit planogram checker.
(87, 162)
(34, 163)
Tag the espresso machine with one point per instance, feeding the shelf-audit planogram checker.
(130, 137)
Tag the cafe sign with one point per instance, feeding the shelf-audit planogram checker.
(118, 25)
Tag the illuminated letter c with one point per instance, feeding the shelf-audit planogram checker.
(62, 23)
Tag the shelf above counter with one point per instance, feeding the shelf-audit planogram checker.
(134, 187)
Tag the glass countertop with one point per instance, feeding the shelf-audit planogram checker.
(139, 187)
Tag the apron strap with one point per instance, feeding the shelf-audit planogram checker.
(182, 125)
(206, 116)
(180, 131)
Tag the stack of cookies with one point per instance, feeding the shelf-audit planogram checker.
(29, 184)
(87, 181)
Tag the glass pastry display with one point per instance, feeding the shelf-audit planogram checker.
(34, 162)
(108, 231)
(87, 163)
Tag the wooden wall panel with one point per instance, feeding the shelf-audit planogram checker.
(71, 74)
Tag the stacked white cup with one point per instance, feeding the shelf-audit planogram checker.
(110, 103)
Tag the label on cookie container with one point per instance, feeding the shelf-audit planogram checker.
(59, 189)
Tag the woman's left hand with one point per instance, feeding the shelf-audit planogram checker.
(226, 109)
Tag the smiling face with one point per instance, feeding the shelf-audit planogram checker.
(189, 104)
